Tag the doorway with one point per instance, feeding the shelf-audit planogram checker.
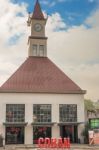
(69, 131)
(41, 131)
(14, 135)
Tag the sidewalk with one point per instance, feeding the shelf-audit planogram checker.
(84, 146)
(31, 147)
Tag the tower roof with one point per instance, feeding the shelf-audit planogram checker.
(37, 14)
(40, 75)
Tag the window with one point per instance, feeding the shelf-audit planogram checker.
(34, 50)
(68, 112)
(41, 50)
(15, 112)
(41, 47)
(42, 113)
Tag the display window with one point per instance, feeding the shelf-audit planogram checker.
(14, 135)
(41, 131)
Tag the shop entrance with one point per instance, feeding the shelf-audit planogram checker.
(14, 135)
(41, 131)
(69, 131)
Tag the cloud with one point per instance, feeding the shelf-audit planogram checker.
(45, 2)
(63, 1)
(91, 1)
(93, 21)
(48, 3)
(75, 41)
(55, 23)
(53, 3)
(74, 49)
(12, 25)
(94, 1)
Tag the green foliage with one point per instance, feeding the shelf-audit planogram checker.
(85, 133)
(93, 107)
(96, 105)
(89, 105)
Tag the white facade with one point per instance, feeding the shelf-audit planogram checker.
(41, 70)
(30, 99)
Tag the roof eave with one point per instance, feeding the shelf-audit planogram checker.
(43, 92)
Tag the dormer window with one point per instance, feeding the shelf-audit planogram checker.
(41, 50)
(34, 50)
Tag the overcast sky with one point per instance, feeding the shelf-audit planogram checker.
(73, 39)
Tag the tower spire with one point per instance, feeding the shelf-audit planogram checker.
(37, 14)
(37, 40)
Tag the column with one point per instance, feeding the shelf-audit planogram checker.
(55, 118)
(29, 127)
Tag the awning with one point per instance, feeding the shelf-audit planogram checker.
(69, 123)
(15, 124)
(43, 123)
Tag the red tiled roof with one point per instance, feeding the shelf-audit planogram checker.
(40, 75)
(37, 14)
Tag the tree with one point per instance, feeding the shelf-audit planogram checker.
(89, 105)
(85, 133)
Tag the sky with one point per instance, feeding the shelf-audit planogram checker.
(73, 39)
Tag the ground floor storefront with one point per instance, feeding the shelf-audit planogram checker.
(17, 135)
(25, 124)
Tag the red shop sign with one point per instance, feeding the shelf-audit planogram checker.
(54, 143)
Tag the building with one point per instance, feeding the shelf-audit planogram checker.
(39, 100)
(92, 116)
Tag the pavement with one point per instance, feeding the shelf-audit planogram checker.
(31, 147)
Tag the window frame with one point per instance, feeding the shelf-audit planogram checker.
(68, 112)
(40, 115)
(34, 47)
(41, 50)
(15, 113)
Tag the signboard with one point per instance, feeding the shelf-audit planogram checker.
(54, 143)
(94, 123)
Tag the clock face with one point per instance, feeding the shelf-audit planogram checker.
(38, 27)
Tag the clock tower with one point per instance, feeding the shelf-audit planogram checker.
(37, 39)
